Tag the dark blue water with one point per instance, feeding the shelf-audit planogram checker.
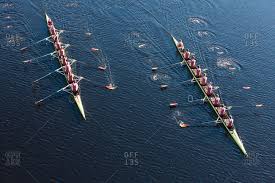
(130, 134)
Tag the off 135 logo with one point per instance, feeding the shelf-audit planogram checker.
(12, 158)
(131, 158)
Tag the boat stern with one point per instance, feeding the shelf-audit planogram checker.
(79, 104)
(238, 141)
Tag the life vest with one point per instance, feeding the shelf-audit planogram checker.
(74, 87)
(186, 55)
(198, 72)
(203, 80)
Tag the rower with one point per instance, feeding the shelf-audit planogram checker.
(198, 72)
(53, 31)
(64, 60)
(209, 89)
(67, 68)
(229, 122)
(180, 46)
(70, 77)
(186, 55)
(222, 111)
(192, 63)
(57, 45)
(216, 101)
(203, 80)
(61, 52)
(74, 87)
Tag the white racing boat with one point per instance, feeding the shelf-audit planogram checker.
(76, 96)
(232, 131)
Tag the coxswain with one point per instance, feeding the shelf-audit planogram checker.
(203, 80)
(50, 23)
(222, 111)
(70, 77)
(180, 46)
(186, 55)
(74, 87)
(229, 122)
(216, 101)
(209, 90)
(67, 68)
(192, 63)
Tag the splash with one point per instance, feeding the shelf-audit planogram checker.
(197, 21)
(228, 64)
(205, 33)
(219, 50)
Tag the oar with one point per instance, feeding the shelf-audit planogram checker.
(30, 60)
(185, 125)
(169, 66)
(257, 106)
(62, 89)
(45, 39)
(48, 74)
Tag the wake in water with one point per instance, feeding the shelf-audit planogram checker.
(229, 64)
(104, 65)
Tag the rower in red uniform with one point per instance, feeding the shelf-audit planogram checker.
(216, 101)
(222, 111)
(229, 122)
(203, 80)
(61, 52)
(186, 55)
(74, 87)
(180, 46)
(57, 45)
(209, 90)
(55, 38)
(64, 60)
(53, 31)
(192, 63)
(70, 77)
(67, 68)
(198, 72)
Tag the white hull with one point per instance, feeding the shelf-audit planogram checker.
(233, 133)
(77, 97)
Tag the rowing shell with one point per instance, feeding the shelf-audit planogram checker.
(233, 133)
(77, 97)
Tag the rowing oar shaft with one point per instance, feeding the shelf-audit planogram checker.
(45, 39)
(257, 105)
(47, 75)
(62, 89)
(30, 60)
(169, 66)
